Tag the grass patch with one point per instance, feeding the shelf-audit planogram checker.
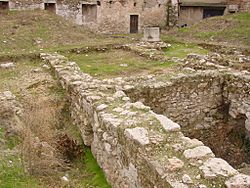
(10, 76)
(116, 63)
(38, 31)
(182, 50)
(98, 179)
(12, 174)
(230, 29)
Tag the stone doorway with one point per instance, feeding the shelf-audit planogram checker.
(4, 5)
(50, 7)
(134, 19)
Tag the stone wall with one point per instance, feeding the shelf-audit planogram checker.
(237, 94)
(186, 100)
(133, 145)
(193, 100)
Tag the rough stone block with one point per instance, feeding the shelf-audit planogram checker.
(151, 34)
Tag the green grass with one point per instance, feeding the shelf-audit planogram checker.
(98, 178)
(231, 29)
(12, 174)
(39, 31)
(181, 50)
(110, 63)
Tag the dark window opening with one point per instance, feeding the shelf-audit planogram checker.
(213, 11)
(98, 3)
(4, 5)
(89, 13)
(159, 5)
(134, 4)
(50, 7)
(134, 19)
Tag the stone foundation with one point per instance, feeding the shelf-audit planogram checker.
(135, 146)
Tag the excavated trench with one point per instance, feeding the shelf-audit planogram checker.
(203, 105)
(226, 138)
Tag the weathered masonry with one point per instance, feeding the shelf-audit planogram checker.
(138, 147)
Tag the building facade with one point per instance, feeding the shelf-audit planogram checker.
(193, 11)
(107, 16)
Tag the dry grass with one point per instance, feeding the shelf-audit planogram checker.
(39, 145)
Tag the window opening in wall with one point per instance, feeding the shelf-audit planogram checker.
(98, 3)
(4, 5)
(50, 7)
(89, 13)
(159, 5)
(134, 4)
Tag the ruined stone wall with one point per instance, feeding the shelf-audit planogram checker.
(193, 100)
(237, 95)
(133, 145)
(186, 100)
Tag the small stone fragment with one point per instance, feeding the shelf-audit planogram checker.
(139, 105)
(119, 94)
(214, 167)
(186, 179)
(198, 177)
(118, 109)
(7, 65)
(139, 134)
(101, 107)
(202, 186)
(46, 66)
(198, 152)
(178, 185)
(125, 98)
(167, 124)
(175, 164)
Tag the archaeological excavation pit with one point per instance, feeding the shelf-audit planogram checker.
(210, 106)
